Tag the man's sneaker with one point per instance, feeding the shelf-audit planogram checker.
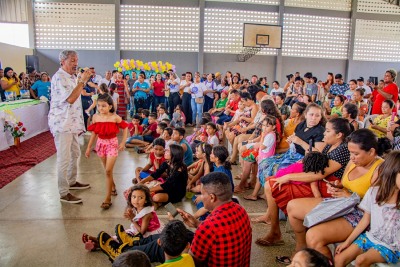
(109, 246)
(124, 237)
(79, 186)
(69, 198)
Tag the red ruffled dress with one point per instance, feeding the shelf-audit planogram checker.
(107, 142)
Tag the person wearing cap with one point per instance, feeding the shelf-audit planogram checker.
(217, 79)
(10, 82)
(390, 91)
(367, 89)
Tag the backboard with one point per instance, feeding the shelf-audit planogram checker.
(262, 35)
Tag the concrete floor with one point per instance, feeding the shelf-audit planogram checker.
(36, 229)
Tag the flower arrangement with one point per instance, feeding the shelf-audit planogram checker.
(150, 68)
(16, 129)
(12, 124)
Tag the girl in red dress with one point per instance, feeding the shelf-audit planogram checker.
(123, 92)
(106, 126)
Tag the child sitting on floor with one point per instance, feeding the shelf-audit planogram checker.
(178, 135)
(173, 241)
(201, 167)
(211, 130)
(140, 211)
(178, 118)
(156, 158)
(162, 113)
(147, 136)
(167, 136)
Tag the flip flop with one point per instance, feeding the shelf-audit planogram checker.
(283, 260)
(258, 220)
(266, 243)
(89, 243)
(249, 197)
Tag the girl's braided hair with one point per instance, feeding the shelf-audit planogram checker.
(315, 161)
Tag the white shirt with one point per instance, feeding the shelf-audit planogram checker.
(63, 116)
(210, 86)
(367, 89)
(276, 91)
(187, 88)
(385, 221)
(107, 82)
(213, 140)
(97, 79)
(174, 88)
(197, 89)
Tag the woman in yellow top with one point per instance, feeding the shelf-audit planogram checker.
(358, 176)
(380, 124)
(10, 82)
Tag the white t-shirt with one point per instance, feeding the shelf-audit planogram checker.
(210, 86)
(268, 142)
(97, 79)
(213, 140)
(174, 88)
(367, 90)
(107, 82)
(276, 91)
(221, 88)
(187, 88)
(197, 89)
(115, 97)
(385, 221)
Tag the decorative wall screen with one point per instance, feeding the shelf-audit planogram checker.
(341, 5)
(75, 26)
(260, 2)
(377, 41)
(223, 29)
(159, 28)
(378, 7)
(315, 36)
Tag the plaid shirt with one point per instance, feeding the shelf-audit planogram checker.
(224, 238)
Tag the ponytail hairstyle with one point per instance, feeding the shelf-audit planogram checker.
(108, 99)
(222, 154)
(387, 175)
(104, 88)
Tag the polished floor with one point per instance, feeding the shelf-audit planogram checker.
(36, 229)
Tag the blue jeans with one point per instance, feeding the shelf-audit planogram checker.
(158, 100)
(224, 118)
(197, 110)
(208, 103)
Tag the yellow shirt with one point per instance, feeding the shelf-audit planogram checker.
(381, 122)
(185, 260)
(14, 88)
(362, 183)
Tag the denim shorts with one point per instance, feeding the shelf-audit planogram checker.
(134, 137)
(388, 255)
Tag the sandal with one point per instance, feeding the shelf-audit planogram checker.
(90, 242)
(114, 192)
(250, 197)
(283, 259)
(105, 205)
(266, 243)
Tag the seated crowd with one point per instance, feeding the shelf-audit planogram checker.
(298, 147)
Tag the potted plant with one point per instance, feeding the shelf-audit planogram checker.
(16, 129)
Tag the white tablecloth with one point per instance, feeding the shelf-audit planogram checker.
(34, 119)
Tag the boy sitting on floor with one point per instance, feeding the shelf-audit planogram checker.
(174, 242)
(148, 135)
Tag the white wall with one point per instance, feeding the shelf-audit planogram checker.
(14, 57)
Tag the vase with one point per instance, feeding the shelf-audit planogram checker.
(17, 141)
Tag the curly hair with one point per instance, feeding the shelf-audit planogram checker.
(143, 188)
(315, 161)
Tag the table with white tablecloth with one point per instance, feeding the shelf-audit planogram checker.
(33, 117)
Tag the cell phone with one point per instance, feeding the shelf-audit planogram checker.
(331, 184)
(244, 143)
(171, 209)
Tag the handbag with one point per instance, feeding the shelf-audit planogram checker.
(218, 113)
(330, 209)
(199, 100)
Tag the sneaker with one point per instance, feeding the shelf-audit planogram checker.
(124, 237)
(79, 186)
(109, 246)
(69, 198)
